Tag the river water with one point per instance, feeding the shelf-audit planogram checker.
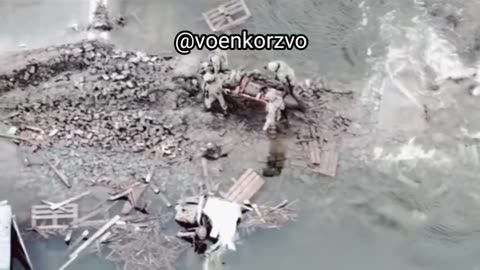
(406, 196)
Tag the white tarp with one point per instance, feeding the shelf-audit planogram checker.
(223, 217)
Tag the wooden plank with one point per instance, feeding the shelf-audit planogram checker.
(242, 178)
(251, 190)
(54, 218)
(67, 201)
(329, 156)
(314, 152)
(45, 207)
(96, 235)
(40, 213)
(245, 187)
(238, 187)
(59, 173)
(240, 184)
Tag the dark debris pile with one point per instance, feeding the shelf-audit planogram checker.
(108, 104)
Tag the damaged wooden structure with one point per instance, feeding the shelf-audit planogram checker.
(245, 187)
(249, 91)
(227, 15)
(45, 219)
(11, 242)
(322, 149)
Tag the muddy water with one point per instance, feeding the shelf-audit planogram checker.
(405, 196)
(52, 254)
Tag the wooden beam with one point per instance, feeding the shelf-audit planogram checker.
(96, 235)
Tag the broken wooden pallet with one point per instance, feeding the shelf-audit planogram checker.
(46, 219)
(245, 187)
(322, 150)
(135, 199)
(227, 15)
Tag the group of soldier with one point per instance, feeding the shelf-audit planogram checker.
(213, 79)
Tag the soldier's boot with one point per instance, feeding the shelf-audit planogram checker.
(284, 117)
(207, 104)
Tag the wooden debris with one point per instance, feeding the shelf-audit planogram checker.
(255, 207)
(56, 206)
(92, 214)
(35, 129)
(134, 197)
(10, 116)
(67, 263)
(245, 187)
(60, 174)
(96, 235)
(280, 205)
(149, 176)
(105, 237)
(329, 156)
(165, 200)
(42, 213)
(68, 236)
(322, 149)
(77, 241)
(17, 138)
(272, 217)
(53, 204)
(124, 193)
(227, 15)
(40, 232)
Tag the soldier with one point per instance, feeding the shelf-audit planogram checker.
(218, 59)
(213, 90)
(275, 108)
(286, 75)
(283, 72)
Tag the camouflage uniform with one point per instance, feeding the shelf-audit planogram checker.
(213, 90)
(218, 60)
(275, 107)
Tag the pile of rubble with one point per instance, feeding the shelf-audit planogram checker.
(108, 105)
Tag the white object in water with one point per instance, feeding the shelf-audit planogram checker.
(223, 216)
(5, 236)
